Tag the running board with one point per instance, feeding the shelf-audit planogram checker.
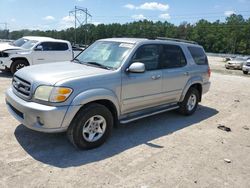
(148, 114)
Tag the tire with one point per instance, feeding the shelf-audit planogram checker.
(80, 132)
(189, 105)
(245, 72)
(18, 64)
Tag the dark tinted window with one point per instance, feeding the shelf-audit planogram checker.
(172, 56)
(54, 46)
(198, 55)
(149, 55)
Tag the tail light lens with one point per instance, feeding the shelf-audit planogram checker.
(209, 72)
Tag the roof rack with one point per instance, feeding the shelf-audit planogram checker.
(176, 40)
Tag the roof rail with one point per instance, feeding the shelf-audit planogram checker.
(176, 40)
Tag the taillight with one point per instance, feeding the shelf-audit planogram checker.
(209, 72)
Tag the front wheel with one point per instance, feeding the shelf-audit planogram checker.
(17, 65)
(189, 105)
(91, 126)
(245, 72)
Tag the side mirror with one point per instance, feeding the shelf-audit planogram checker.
(136, 67)
(39, 48)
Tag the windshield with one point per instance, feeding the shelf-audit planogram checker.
(29, 44)
(105, 53)
(19, 42)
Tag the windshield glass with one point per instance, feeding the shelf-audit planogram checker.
(19, 42)
(29, 44)
(106, 53)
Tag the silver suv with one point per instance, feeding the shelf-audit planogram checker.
(117, 80)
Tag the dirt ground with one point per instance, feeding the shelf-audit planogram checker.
(167, 150)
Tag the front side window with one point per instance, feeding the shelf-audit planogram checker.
(198, 55)
(105, 53)
(149, 55)
(172, 57)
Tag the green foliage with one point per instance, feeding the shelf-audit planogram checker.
(231, 36)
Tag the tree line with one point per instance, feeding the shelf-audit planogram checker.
(230, 36)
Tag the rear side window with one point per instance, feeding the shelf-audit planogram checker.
(172, 56)
(54, 46)
(198, 55)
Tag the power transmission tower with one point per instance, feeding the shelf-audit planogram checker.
(5, 25)
(81, 16)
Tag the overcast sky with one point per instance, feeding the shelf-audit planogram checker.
(53, 14)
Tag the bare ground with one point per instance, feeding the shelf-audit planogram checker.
(167, 150)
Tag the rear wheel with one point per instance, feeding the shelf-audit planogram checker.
(245, 72)
(17, 65)
(189, 105)
(91, 127)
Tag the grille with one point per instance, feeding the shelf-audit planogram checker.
(248, 64)
(21, 86)
(3, 54)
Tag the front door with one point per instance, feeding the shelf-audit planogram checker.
(141, 90)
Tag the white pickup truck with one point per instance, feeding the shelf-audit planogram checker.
(33, 50)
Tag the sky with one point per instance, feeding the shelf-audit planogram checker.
(54, 14)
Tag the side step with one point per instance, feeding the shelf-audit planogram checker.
(147, 113)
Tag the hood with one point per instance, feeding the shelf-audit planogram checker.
(7, 46)
(54, 72)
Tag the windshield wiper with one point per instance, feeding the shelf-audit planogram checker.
(77, 60)
(98, 65)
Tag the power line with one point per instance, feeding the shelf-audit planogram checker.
(81, 16)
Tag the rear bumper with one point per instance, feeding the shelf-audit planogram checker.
(36, 116)
(206, 87)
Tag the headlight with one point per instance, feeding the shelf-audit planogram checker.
(52, 94)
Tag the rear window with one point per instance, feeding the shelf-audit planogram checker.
(198, 55)
(54, 46)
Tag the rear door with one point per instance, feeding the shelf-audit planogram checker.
(175, 74)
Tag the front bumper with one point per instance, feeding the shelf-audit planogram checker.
(233, 66)
(246, 68)
(36, 116)
(5, 63)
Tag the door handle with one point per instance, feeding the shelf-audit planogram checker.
(186, 73)
(156, 77)
(40, 59)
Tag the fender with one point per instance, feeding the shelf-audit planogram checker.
(191, 81)
(87, 97)
(20, 57)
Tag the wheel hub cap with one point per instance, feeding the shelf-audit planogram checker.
(191, 102)
(94, 128)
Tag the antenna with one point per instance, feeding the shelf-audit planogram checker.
(81, 16)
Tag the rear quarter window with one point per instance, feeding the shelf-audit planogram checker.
(198, 54)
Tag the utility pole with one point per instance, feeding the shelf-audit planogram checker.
(81, 16)
(6, 32)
